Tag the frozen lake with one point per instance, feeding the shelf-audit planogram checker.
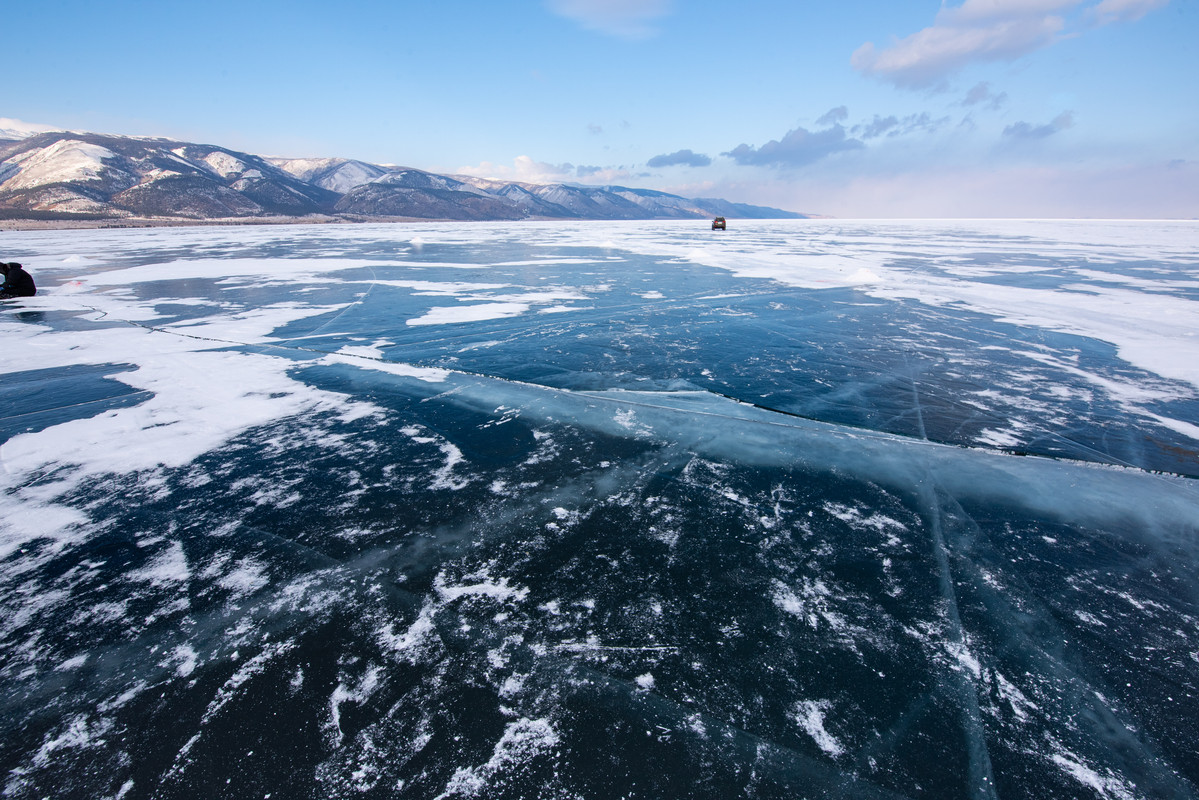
(799, 509)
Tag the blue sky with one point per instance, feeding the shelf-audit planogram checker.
(858, 108)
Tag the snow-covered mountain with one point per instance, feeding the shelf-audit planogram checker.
(70, 175)
(84, 175)
(335, 174)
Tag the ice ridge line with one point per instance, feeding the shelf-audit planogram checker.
(1112, 464)
(848, 429)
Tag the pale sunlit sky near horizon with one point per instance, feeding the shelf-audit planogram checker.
(858, 108)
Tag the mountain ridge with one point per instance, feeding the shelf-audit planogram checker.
(70, 176)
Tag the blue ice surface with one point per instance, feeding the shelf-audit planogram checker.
(36, 399)
(700, 535)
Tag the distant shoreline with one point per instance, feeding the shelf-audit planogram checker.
(15, 225)
(184, 222)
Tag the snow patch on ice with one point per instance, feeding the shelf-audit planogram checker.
(197, 397)
(810, 602)
(167, 568)
(522, 742)
(963, 658)
(997, 438)
(413, 645)
(359, 692)
(34, 520)
(875, 521)
(374, 350)
(447, 315)
(72, 663)
(1021, 706)
(1104, 783)
(809, 715)
(499, 590)
(80, 731)
(247, 577)
(187, 659)
(364, 361)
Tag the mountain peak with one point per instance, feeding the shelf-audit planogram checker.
(59, 175)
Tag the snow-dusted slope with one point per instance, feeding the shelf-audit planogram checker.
(117, 176)
(335, 174)
(65, 161)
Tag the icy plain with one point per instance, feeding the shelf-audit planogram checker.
(798, 509)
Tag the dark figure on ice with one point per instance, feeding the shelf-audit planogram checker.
(17, 282)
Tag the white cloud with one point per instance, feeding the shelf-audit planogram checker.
(627, 19)
(1028, 131)
(679, 158)
(1125, 10)
(987, 10)
(981, 93)
(602, 176)
(526, 170)
(983, 30)
(523, 169)
(833, 116)
(797, 148)
(955, 40)
(893, 126)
